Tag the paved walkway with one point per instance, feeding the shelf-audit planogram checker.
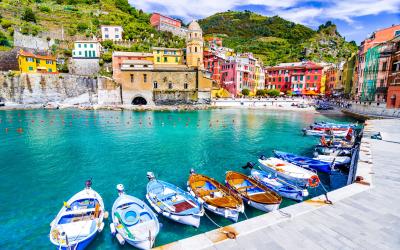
(364, 215)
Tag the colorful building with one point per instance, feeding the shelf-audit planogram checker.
(213, 64)
(370, 62)
(111, 32)
(165, 23)
(86, 49)
(298, 77)
(331, 75)
(118, 57)
(393, 95)
(34, 63)
(347, 75)
(171, 56)
(229, 76)
(259, 75)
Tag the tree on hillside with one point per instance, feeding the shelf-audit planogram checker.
(28, 15)
(3, 40)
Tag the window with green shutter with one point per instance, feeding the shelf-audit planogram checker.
(315, 77)
(30, 68)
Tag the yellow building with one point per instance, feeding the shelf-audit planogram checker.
(194, 46)
(32, 63)
(169, 56)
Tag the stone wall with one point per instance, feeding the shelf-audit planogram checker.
(59, 88)
(32, 42)
(175, 97)
(87, 67)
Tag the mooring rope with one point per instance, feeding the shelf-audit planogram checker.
(215, 223)
(284, 214)
(327, 201)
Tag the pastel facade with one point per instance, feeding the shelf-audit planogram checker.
(169, 56)
(368, 61)
(393, 95)
(86, 49)
(165, 23)
(118, 57)
(111, 32)
(298, 77)
(229, 76)
(33, 63)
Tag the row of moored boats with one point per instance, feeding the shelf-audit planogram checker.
(134, 222)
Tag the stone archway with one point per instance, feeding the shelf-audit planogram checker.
(139, 100)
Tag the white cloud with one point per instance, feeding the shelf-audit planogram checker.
(298, 11)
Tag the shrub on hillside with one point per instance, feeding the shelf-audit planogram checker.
(6, 24)
(28, 15)
(4, 40)
(106, 57)
(82, 27)
(44, 8)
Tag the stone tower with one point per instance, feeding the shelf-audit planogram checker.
(194, 46)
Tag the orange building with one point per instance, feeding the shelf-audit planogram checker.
(393, 96)
(118, 57)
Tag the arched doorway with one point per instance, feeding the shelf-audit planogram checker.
(139, 100)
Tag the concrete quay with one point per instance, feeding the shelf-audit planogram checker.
(364, 215)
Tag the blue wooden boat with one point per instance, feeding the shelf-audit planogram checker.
(79, 220)
(303, 161)
(283, 188)
(173, 203)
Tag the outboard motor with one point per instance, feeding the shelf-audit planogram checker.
(192, 171)
(88, 184)
(150, 176)
(120, 189)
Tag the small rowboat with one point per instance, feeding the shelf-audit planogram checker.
(253, 192)
(328, 150)
(173, 203)
(79, 220)
(332, 125)
(303, 161)
(133, 221)
(214, 196)
(329, 132)
(294, 174)
(283, 188)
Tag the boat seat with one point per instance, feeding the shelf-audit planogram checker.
(165, 197)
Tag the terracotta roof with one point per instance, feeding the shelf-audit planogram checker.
(29, 54)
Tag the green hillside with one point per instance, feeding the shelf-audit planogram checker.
(80, 18)
(275, 39)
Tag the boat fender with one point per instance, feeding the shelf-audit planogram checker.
(112, 229)
(249, 203)
(304, 193)
(105, 215)
(120, 239)
(101, 227)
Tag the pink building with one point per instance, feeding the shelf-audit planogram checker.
(166, 23)
(228, 76)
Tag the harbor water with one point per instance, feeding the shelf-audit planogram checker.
(46, 156)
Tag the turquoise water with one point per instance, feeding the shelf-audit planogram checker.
(46, 156)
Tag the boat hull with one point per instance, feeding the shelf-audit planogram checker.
(190, 220)
(260, 206)
(144, 244)
(231, 214)
(292, 194)
(80, 245)
(301, 182)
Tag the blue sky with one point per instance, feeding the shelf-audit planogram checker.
(356, 19)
